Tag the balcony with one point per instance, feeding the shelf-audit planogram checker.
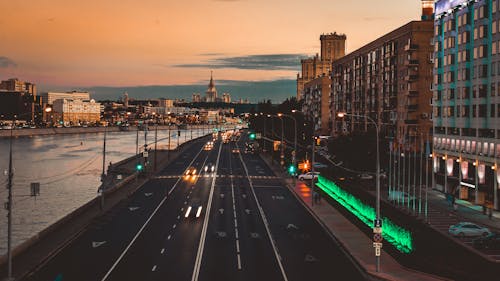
(411, 78)
(411, 62)
(411, 47)
(412, 107)
(412, 93)
(411, 121)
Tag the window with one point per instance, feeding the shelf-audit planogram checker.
(494, 27)
(482, 110)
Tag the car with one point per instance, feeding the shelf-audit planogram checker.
(365, 176)
(209, 168)
(468, 229)
(308, 176)
(320, 165)
(194, 209)
(236, 150)
(190, 172)
(491, 241)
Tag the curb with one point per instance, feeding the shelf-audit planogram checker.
(368, 275)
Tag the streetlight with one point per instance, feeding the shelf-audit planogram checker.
(294, 158)
(377, 224)
(9, 196)
(282, 156)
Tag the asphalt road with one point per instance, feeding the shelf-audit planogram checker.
(251, 228)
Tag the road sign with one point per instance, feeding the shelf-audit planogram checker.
(377, 238)
(377, 230)
(377, 252)
(258, 136)
(377, 223)
(35, 189)
(145, 154)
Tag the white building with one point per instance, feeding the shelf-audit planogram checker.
(50, 97)
(77, 111)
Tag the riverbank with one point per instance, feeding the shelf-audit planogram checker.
(43, 245)
(90, 130)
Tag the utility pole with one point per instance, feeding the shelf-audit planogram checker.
(169, 135)
(156, 144)
(103, 175)
(9, 206)
(312, 160)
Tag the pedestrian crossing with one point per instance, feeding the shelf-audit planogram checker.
(219, 176)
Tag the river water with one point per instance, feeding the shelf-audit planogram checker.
(68, 168)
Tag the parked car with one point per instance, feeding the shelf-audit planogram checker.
(319, 165)
(468, 229)
(491, 241)
(365, 176)
(308, 176)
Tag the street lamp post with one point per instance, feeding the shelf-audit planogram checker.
(9, 196)
(282, 155)
(294, 157)
(377, 223)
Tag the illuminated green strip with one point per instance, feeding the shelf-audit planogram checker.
(394, 234)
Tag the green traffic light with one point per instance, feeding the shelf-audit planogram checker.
(292, 169)
(252, 136)
(138, 167)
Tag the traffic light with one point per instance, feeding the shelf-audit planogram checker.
(292, 169)
(252, 136)
(139, 167)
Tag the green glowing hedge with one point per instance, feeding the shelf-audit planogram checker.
(394, 234)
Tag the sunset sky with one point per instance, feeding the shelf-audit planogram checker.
(70, 43)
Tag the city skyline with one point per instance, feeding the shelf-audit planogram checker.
(137, 44)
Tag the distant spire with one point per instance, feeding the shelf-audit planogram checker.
(211, 84)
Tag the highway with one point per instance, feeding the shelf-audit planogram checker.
(251, 227)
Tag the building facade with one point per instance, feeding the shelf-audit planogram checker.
(332, 48)
(19, 98)
(48, 98)
(77, 111)
(317, 103)
(466, 101)
(211, 93)
(388, 80)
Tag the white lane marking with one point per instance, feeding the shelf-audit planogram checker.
(236, 233)
(170, 236)
(237, 246)
(185, 202)
(146, 223)
(147, 194)
(175, 225)
(178, 217)
(154, 268)
(98, 244)
(235, 223)
(182, 209)
(239, 262)
(235, 218)
(133, 208)
(201, 246)
(264, 219)
(162, 251)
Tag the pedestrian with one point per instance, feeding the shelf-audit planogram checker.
(455, 207)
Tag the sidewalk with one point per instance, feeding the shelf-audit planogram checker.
(355, 242)
(466, 210)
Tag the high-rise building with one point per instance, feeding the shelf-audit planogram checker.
(196, 97)
(388, 80)
(226, 98)
(466, 102)
(19, 98)
(316, 103)
(332, 48)
(48, 98)
(211, 93)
